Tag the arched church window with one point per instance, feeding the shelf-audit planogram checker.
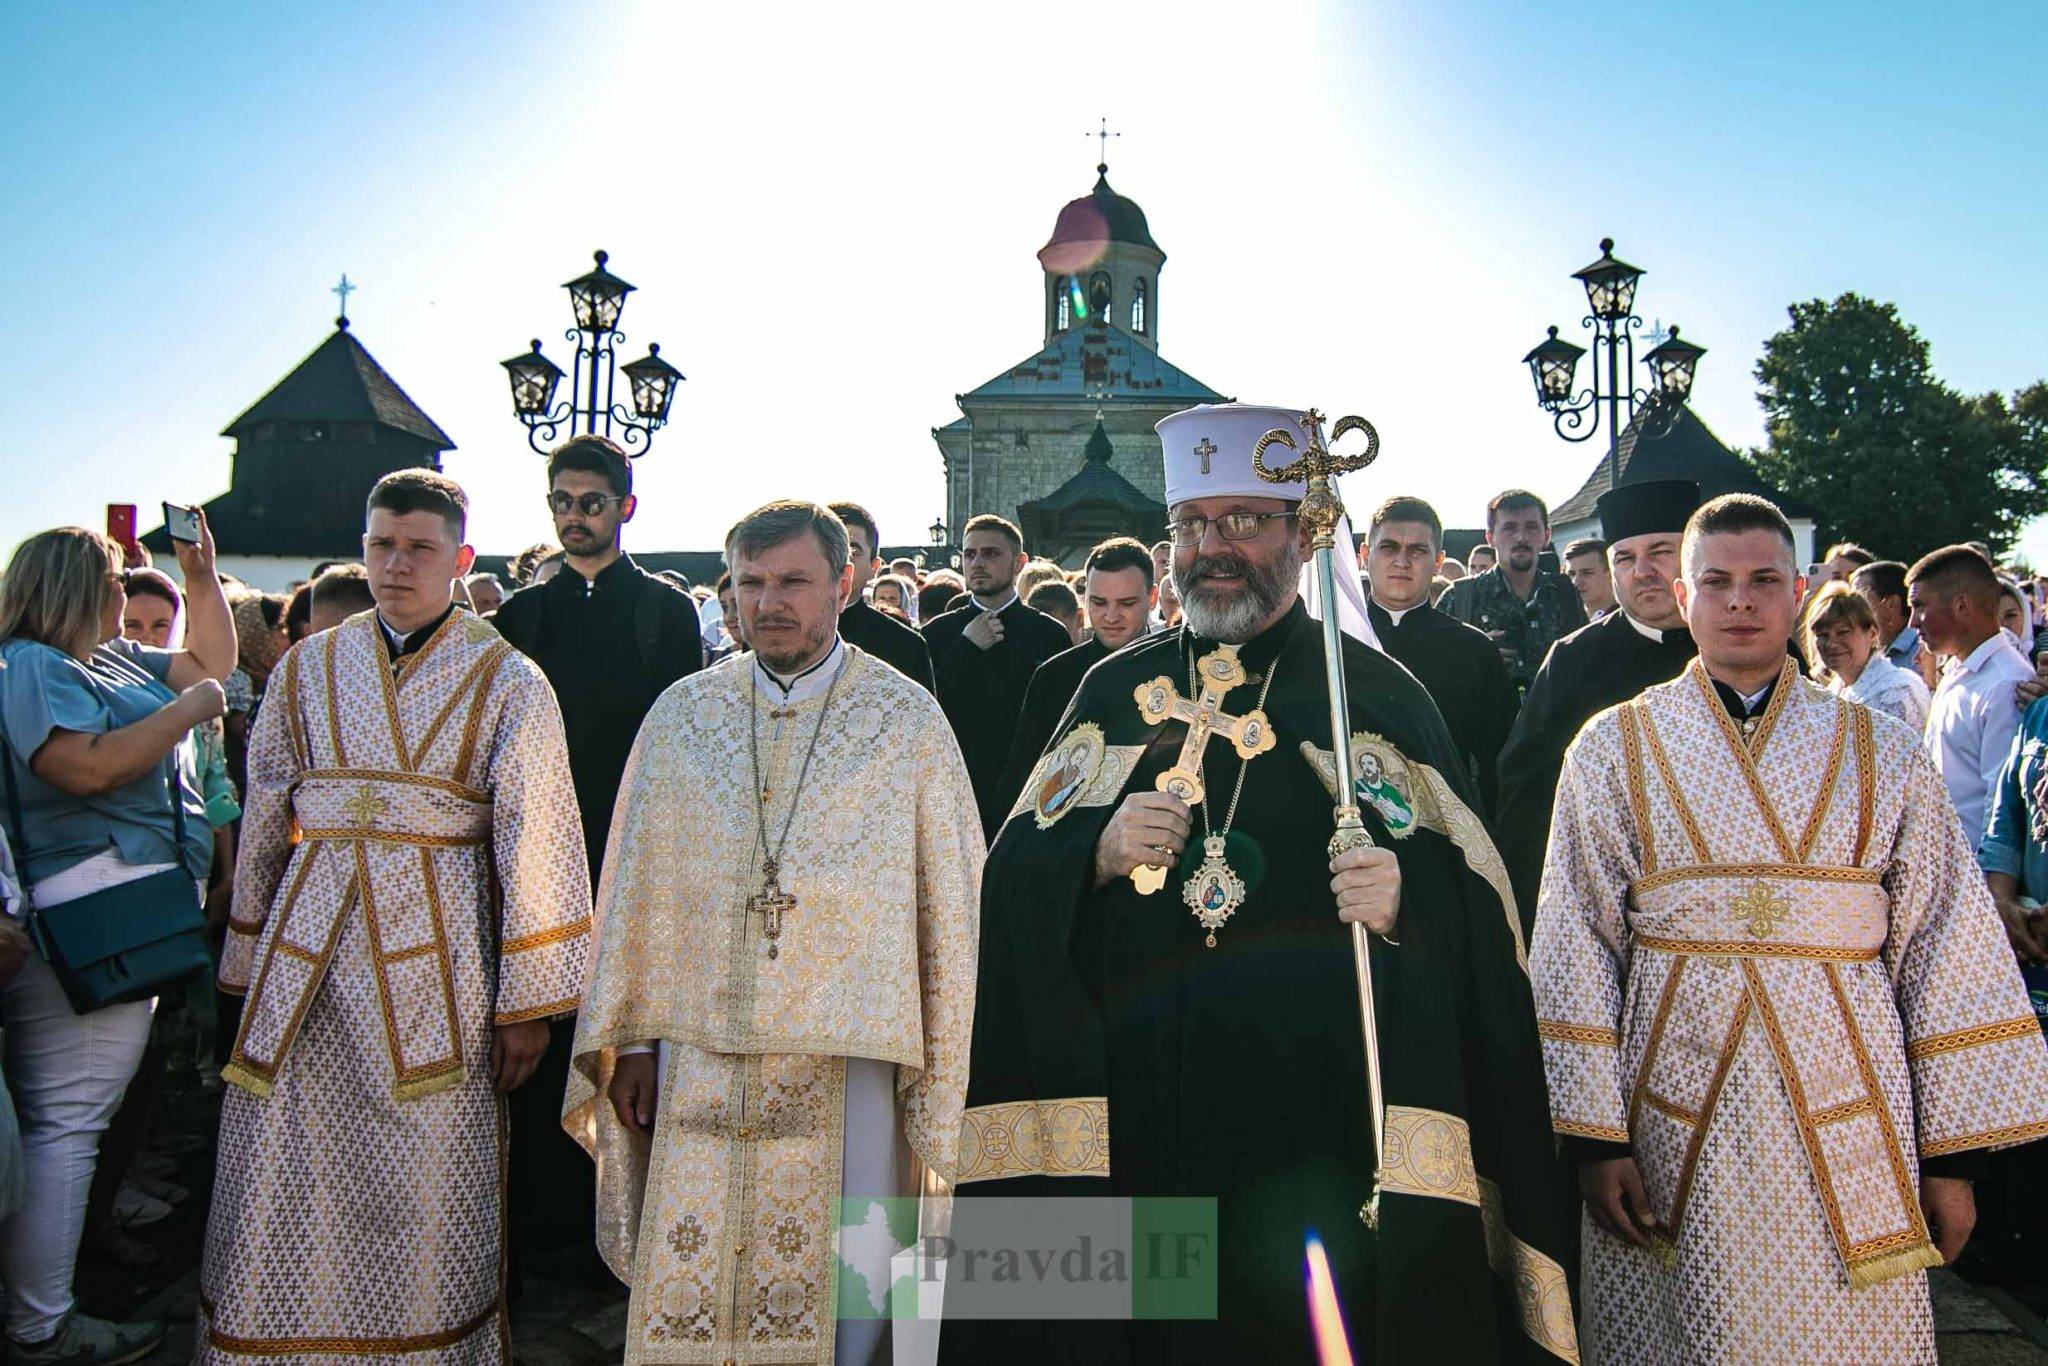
(1098, 293)
(1138, 301)
(1064, 316)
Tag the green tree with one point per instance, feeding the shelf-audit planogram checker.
(1888, 455)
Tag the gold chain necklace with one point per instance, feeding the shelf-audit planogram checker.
(1215, 891)
(771, 901)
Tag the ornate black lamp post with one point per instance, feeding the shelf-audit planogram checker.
(596, 299)
(1553, 364)
(938, 531)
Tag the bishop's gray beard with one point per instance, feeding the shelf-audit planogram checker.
(1234, 617)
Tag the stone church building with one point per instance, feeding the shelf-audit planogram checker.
(1062, 442)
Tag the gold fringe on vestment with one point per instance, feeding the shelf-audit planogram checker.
(1893, 1265)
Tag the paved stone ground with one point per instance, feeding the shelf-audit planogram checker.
(569, 1317)
(555, 1325)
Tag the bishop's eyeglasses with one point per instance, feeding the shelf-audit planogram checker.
(1231, 526)
(590, 504)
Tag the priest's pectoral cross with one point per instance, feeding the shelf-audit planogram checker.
(770, 903)
(1159, 701)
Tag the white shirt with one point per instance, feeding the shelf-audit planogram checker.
(1971, 724)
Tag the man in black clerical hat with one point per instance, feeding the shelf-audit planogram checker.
(1596, 666)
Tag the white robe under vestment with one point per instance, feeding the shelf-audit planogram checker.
(411, 875)
(837, 1067)
(1771, 967)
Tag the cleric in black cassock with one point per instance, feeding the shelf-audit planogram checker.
(860, 622)
(888, 640)
(1457, 664)
(1120, 594)
(1053, 685)
(1115, 1052)
(1595, 667)
(984, 652)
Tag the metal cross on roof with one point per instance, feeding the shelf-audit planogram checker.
(343, 290)
(1104, 135)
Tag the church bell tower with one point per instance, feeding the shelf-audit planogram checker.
(1102, 265)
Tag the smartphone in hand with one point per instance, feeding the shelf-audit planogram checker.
(181, 523)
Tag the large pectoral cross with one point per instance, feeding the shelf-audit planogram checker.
(1159, 701)
(770, 903)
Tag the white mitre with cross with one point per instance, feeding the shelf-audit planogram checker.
(1208, 451)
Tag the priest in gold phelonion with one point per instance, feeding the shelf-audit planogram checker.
(779, 1010)
(1196, 1031)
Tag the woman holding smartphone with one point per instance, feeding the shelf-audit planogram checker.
(94, 724)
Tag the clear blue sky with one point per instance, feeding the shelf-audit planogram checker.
(832, 211)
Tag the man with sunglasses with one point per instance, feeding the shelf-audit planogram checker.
(611, 638)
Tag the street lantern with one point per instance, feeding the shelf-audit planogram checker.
(1554, 365)
(534, 378)
(1610, 284)
(1673, 362)
(596, 299)
(938, 530)
(654, 383)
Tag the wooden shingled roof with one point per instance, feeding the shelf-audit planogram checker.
(1687, 451)
(341, 382)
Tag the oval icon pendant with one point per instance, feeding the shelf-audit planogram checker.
(1215, 891)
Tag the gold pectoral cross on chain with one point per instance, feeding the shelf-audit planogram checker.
(1160, 701)
(770, 903)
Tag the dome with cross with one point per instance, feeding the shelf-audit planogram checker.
(1087, 226)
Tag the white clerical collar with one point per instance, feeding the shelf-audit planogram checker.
(1002, 606)
(397, 637)
(1647, 632)
(808, 683)
(1394, 613)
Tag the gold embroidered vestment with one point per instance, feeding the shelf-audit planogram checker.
(411, 875)
(725, 1223)
(1770, 966)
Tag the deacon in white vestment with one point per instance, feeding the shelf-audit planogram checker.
(782, 1001)
(1778, 1011)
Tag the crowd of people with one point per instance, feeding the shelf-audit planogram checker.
(838, 877)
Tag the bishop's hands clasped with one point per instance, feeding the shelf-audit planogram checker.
(1150, 828)
(1367, 881)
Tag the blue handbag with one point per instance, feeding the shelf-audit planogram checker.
(125, 943)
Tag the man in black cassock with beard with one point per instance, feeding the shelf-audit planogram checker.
(1204, 1040)
(1596, 666)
